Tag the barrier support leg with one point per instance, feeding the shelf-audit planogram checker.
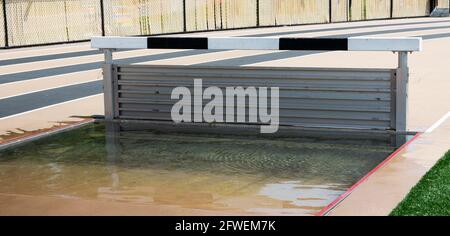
(402, 92)
(108, 87)
(113, 150)
(108, 54)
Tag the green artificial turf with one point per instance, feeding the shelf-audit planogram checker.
(431, 196)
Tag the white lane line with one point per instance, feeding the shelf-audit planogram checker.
(54, 48)
(52, 77)
(49, 88)
(42, 108)
(438, 123)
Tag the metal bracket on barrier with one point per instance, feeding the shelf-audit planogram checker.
(108, 55)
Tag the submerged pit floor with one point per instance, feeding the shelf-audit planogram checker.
(215, 173)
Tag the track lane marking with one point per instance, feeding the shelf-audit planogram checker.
(53, 105)
(49, 88)
(438, 123)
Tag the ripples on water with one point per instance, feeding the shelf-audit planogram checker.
(219, 173)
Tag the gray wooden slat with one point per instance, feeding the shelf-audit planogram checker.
(309, 97)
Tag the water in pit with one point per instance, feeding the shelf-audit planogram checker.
(226, 174)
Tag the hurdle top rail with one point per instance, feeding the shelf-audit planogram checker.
(394, 44)
(400, 45)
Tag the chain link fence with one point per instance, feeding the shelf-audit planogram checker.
(287, 12)
(32, 22)
(220, 14)
(2, 25)
(143, 17)
(47, 21)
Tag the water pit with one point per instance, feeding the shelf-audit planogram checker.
(220, 173)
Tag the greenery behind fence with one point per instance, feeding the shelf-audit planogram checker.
(30, 22)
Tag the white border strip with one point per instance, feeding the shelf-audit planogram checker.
(438, 123)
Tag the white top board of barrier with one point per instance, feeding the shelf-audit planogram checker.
(408, 44)
(116, 42)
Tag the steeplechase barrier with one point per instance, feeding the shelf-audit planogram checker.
(336, 98)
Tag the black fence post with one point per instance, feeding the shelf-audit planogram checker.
(392, 9)
(5, 23)
(433, 4)
(102, 16)
(349, 10)
(184, 16)
(330, 11)
(257, 13)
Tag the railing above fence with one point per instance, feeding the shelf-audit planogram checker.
(400, 44)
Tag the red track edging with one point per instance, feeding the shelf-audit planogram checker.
(338, 200)
(44, 132)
